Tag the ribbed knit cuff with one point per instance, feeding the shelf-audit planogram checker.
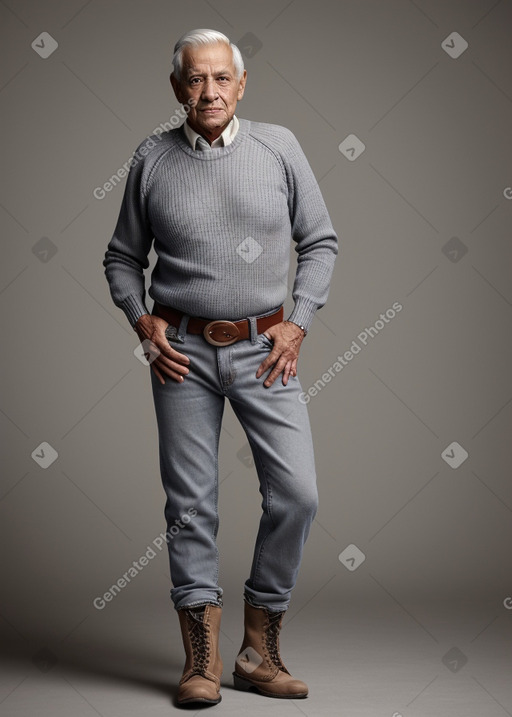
(134, 307)
(303, 313)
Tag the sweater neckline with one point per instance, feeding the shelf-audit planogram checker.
(216, 152)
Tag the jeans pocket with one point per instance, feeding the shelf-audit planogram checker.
(265, 342)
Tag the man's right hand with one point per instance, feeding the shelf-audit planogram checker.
(169, 362)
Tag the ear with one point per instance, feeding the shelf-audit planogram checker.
(176, 86)
(241, 86)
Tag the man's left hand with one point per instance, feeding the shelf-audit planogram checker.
(287, 338)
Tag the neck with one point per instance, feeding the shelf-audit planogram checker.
(213, 134)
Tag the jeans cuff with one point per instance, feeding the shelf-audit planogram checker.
(200, 603)
(250, 601)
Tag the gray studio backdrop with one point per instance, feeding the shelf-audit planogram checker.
(404, 110)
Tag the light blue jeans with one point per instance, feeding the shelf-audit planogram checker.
(276, 423)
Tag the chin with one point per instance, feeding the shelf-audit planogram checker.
(214, 123)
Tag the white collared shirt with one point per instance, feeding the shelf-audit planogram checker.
(225, 138)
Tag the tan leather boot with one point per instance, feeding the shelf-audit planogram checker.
(259, 663)
(200, 681)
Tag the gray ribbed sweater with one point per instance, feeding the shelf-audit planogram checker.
(222, 221)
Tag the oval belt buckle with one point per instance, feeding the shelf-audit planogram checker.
(221, 333)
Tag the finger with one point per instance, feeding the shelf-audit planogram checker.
(179, 357)
(173, 360)
(270, 379)
(287, 372)
(268, 361)
(157, 373)
(264, 366)
(276, 371)
(171, 368)
(174, 375)
(167, 350)
(261, 369)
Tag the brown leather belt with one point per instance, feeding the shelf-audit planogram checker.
(220, 332)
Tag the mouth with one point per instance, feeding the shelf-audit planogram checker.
(211, 110)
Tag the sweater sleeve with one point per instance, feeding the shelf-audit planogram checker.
(316, 240)
(127, 252)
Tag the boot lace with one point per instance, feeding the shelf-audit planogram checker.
(200, 646)
(272, 640)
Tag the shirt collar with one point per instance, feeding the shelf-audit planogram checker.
(225, 138)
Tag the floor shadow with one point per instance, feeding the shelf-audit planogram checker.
(100, 656)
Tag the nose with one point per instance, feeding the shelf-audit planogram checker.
(209, 92)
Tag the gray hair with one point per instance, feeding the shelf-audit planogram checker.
(195, 38)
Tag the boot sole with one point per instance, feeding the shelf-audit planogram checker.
(245, 685)
(199, 700)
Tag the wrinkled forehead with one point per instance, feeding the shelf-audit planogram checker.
(205, 58)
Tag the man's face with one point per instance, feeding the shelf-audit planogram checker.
(209, 79)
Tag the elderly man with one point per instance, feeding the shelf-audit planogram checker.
(221, 197)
